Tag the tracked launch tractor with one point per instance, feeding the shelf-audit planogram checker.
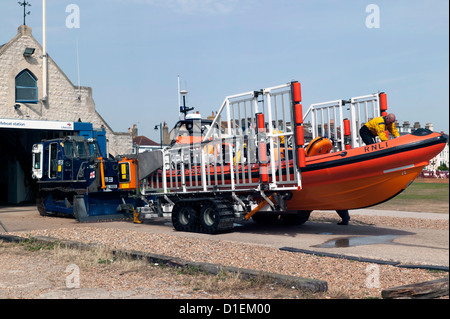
(75, 179)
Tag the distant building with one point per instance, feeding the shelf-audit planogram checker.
(144, 144)
(21, 91)
(441, 159)
(26, 118)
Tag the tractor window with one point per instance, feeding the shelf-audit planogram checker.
(53, 158)
(93, 149)
(68, 149)
(37, 161)
(82, 150)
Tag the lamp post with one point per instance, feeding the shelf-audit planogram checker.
(159, 126)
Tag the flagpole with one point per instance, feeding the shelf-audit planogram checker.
(44, 47)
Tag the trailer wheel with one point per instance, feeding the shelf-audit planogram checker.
(298, 218)
(216, 216)
(184, 216)
(265, 218)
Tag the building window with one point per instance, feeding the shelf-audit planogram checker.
(26, 87)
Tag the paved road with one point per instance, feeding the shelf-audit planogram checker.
(405, 245)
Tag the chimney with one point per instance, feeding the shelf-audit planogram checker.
(134, 131)
(166, 137)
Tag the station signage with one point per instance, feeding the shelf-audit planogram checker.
(36, 125)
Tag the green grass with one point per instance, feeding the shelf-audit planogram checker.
(33, 245)
(426, 191)
(420, 197)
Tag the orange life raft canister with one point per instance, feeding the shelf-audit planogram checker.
(319, 145)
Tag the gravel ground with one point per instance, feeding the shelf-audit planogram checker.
(421, 223)
(43, 275)
(345, 278)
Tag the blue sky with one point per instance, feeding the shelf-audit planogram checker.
(132, 51)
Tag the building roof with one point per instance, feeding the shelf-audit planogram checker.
(144, 141)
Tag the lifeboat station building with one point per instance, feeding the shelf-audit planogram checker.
(28, 115)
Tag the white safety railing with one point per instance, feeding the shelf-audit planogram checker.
(362, 109)
(256, 140)
(328, 119)
(249, 146)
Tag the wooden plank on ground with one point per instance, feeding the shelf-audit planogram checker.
(424, 290)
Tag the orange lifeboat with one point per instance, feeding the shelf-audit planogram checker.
(367, 175)
(349, 179)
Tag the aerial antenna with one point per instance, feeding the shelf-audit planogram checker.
(182, 95)
(179, 102)
(25, 4)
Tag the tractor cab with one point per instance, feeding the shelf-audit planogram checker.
(68, 159)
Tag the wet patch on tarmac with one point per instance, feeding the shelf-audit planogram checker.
(357, 241)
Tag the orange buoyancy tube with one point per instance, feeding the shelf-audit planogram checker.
(319, 145)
